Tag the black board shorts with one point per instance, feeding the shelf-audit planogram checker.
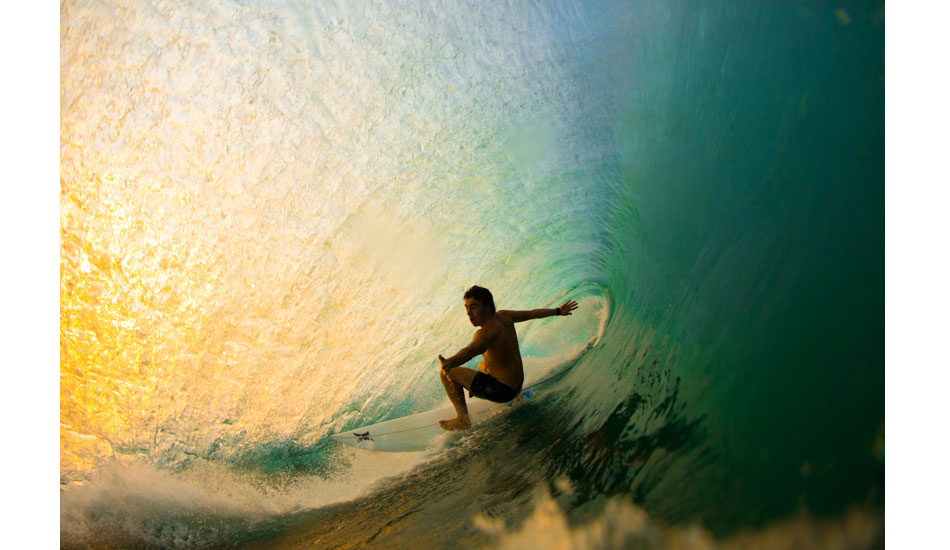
(485, 386)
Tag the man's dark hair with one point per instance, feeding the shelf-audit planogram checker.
(481, 294)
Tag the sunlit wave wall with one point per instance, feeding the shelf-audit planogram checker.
(270, 211)
(268, 207)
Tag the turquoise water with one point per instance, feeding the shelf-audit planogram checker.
(270, 212)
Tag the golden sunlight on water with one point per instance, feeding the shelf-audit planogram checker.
(184, 289)
(171, 323)
(230, 184)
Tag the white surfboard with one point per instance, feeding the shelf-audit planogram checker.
(420, 431)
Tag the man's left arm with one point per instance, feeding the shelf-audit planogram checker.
(518, 316)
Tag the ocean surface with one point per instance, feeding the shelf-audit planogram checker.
(270, 211)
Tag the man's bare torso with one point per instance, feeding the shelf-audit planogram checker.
(502, 359)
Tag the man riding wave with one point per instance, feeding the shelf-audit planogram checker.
(501, 372)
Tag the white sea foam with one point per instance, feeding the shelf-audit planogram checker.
(208, 503)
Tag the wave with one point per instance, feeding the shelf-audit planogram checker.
(269, 213)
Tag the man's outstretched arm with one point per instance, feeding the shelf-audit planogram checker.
(518, 316)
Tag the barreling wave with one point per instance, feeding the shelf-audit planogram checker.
(270, 211)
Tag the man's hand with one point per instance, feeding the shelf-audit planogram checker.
(443, 361)
(568, 307)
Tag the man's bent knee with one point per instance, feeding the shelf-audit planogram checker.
(461, 376)
(450, 374)
(444, 375)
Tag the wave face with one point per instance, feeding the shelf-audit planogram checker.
(270, 211)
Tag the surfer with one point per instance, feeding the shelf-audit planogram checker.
(500, 374)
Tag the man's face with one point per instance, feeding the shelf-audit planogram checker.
(476, 311)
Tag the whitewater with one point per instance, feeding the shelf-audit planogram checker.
(270, 211)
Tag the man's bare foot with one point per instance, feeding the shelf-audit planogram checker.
(455, 424)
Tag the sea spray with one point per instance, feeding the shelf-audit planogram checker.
(621, 524)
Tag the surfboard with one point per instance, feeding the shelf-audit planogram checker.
(419, 432)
